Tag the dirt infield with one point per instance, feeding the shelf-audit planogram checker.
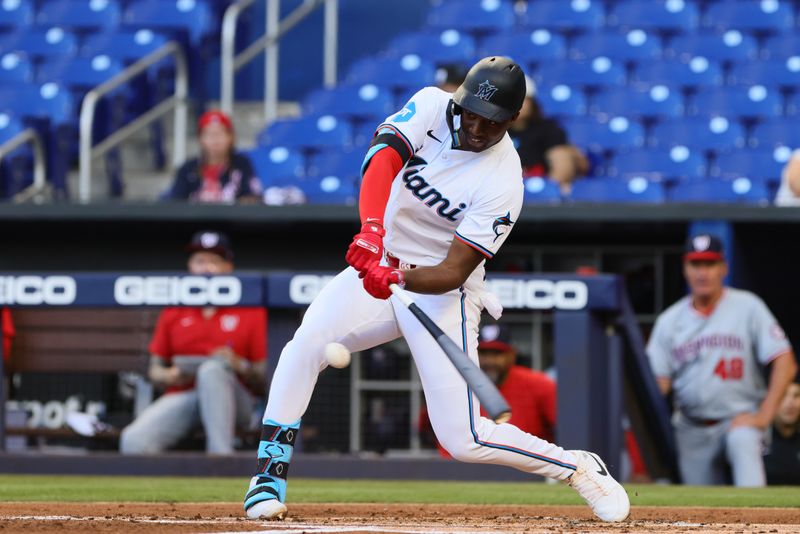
(382, 518)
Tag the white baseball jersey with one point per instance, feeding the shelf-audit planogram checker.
(444, 193)
(713, 361)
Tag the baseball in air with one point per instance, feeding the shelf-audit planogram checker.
(337, 355)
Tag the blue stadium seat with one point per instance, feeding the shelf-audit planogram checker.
(40, 44)
(15, 14)
(541, 191)
(669, 164)
(721, 191)
(365, 102)
(311, 134)
(599, 72)
(48, 101)
(696, 72)
(79, 73)
(751, 102)
(793, 105)
(783, 73)
(565, 16)
(658, 101)
(278, 161)
(526, 46)
(767, 16)
(15, 67)
(775, 133)
(616, 134)
(127, 46)
(329, 189)
(409, 72)
(781, 46)
(10, 126)
(634, 190)
(666, 16)
(80, 14)
(562, 100)
(635, 45)
(473, 15)
(732, 45)
(758, 165)
(194, 17)
(718, 134)
(345, 164)
(442, 47)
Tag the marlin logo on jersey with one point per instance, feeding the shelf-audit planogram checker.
(425, 192)
(499, 222)
(486, 91)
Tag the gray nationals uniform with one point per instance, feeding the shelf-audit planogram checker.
(715, 364)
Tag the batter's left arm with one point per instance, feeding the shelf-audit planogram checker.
(784, 369)
(450, 274)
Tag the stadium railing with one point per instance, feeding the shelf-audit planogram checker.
(29, 135)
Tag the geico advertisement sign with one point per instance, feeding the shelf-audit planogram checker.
(177, 290)
(304, 288)
(540, 294)
(36, 290)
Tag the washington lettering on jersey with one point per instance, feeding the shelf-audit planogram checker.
(691, 350)
(430, 196)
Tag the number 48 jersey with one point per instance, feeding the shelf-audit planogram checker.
(715, 361)
(444, 193)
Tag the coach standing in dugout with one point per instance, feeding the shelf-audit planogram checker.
(709, 349)
(210, 361)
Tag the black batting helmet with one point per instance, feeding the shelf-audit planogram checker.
(494, 89)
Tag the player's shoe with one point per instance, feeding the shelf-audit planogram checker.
(267, 492)
(604, 495)
(270, 508)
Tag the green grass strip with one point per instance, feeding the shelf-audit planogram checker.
(191, 489)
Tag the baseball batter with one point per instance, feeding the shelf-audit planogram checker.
(709, 349)
(441, 190)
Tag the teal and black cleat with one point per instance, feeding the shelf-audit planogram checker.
(267, 493)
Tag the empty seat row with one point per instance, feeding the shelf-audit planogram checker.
(643, 191)
(668, 16)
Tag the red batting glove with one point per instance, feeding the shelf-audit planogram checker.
(366, 248)
(378, 279)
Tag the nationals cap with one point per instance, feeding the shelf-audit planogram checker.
(214, 116)
(211, 241)
(704, 247)
(494, 336)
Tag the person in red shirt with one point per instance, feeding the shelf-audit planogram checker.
(211, 362)
(530, 394)
(8, 332)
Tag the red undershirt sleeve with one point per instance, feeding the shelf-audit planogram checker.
(377, 184)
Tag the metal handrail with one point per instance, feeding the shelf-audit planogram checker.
(230, 62)
(28, 135)
(178, 101)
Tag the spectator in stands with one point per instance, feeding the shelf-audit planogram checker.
(220, 174)
(8, 332)
(449, 77)
(782, 458)
(789, 192)
(542, 144)
(530, 394)
(211, 362)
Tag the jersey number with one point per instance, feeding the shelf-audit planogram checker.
(732, 369)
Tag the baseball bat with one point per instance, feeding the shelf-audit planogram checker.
(491, 399)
